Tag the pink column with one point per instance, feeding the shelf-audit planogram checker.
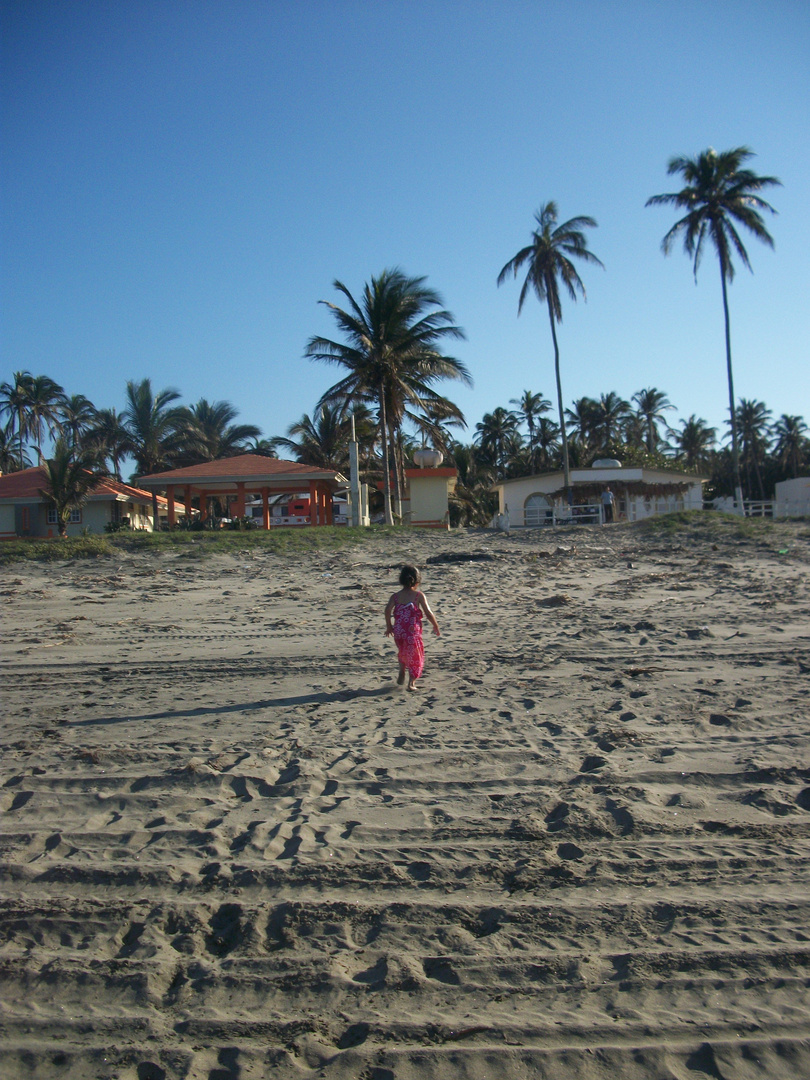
(265, 508)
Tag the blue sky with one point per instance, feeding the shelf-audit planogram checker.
(183, 180)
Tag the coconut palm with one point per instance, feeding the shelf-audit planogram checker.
(10, 460)
(498, 437)
(530, 407)
(792, 443)
(694, 443)
(609, 416)
(262, 447)
(209, 434)
(719, 195)
(582, 421)
(547, 444)
(753, 433)
(14, 401)
(322, 440)
(154, 429)
(472, 501)
(77, 415)
(45, 400)
(110, 436)
(548, 261)
(390, 350)
(71, 473)
(652, 404)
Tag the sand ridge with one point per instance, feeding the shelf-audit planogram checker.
(233, 847)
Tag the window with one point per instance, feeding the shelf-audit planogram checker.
(74, 519)
(537, 510)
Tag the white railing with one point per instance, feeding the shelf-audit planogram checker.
(540, 516)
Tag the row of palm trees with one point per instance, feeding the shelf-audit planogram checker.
(390, 346)
(152, 429)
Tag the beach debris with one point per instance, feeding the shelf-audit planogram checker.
(698, 632)
(558, 600)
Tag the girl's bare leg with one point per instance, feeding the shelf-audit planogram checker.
(401, 676)
(411, 685)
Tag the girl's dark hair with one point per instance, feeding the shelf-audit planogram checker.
(409, 576)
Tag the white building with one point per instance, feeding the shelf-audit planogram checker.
(639, 492)
(792, 498)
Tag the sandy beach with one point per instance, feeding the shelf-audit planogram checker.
(233, 848)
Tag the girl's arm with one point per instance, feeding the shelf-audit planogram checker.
(430, 616)
(389, 628)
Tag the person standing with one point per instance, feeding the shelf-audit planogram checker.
(608, 505)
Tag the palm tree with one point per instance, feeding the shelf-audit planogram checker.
(323, 440)
(45, 400)
(262, 447)
(694, 443)
(719, 192)
(391, 351)
(652, 404)
(530, 407)
(209, 434)
(472, 501)
(77, 414)
(70, 475)
(610, 414)
(753, 431)
(110, 436)
(792, 443)
(15, 397)
(547, 444)
(10, 460)
(547, 260)
(154, 429)
(498, 436)
(582, 421)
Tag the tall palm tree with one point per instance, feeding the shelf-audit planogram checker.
(792, 444)
(70, 475)
(111, 437)
(694, 443)
(547, 445)
(498, 436)
(610, 413)
(262, 447)
(548, 261)
(10, 460)
(530, 407)
(155, 430)
(322, 439)
(753, 433)
(582, 422)
(77, 414)
(208, 432)
(652, 404)
(390, 350)
(15, 397)
(719, 194)
(45, 400)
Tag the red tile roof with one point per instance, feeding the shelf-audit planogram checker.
(28, 484)
(242, 467)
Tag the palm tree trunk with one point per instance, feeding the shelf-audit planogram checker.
(395, 456)
(566, 471)
(735, 449)
(386, 468)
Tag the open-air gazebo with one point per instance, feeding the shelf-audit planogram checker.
(233, 479)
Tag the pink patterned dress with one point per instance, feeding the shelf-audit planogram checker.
(408, 638)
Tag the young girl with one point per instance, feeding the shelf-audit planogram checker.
(407, 607)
